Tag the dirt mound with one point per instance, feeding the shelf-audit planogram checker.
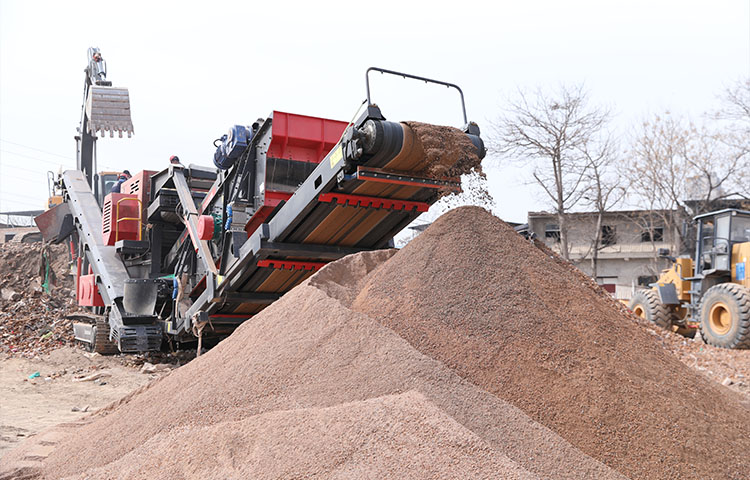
(471, 293)
(33, 299)
(309, 361)
(468, 354)
(343, 441)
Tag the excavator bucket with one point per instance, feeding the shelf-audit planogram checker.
(108, 110)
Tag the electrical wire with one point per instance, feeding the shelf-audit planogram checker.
(34, 158)
(19, 195)
(32, 148)
(24, 204)
(21, 168)
(32, 180)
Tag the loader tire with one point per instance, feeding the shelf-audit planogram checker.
(725, 316)
(646, 304)
(102, 344)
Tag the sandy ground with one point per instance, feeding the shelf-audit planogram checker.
(30, 405)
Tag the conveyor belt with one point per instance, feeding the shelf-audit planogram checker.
(329, 223)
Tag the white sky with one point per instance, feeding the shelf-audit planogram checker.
(193, 72)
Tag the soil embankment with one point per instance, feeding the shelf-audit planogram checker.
(470, 353)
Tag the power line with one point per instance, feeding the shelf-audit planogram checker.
(21, 168)
(32, 148)
(34, 158)
(24, 204)
(5, 175)
(14, 195)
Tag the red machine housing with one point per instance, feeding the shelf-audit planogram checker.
(87, 293)
(298, 138)
(303, 138)
(122, 218)
(139, 185)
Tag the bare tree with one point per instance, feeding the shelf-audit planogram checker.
(677, 169)
(717, 168)
(604, 188)
(549, 132)
(733, 116)
(656, 173)
(735, 104)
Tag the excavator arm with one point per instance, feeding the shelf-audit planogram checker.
(105, 109)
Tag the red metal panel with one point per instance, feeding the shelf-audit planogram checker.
(139, 185)
(88, 292)
(126, 229)
(372, 202)
(271, 200)
(291, 265)
(303, 138)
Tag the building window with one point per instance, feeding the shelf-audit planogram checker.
(552, 230)
(646, 280)
(655, 234)
(608, 235)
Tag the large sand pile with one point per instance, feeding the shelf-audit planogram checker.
(468, 354)
(474, 296)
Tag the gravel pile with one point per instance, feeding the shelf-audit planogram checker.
(470, 353)
(520, 324)
(309, 389)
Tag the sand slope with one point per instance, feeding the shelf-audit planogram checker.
(468, 354)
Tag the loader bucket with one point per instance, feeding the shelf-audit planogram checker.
(108, 110)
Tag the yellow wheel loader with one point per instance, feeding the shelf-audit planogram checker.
(710, 292)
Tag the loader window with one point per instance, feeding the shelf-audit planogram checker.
(708, 233)
(721, 231)
(740, 229)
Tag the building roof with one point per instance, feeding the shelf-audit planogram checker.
(588, 214)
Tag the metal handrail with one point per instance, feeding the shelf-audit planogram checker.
(139, 218)
(415, 77)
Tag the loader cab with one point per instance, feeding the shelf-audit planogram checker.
(717, 233)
